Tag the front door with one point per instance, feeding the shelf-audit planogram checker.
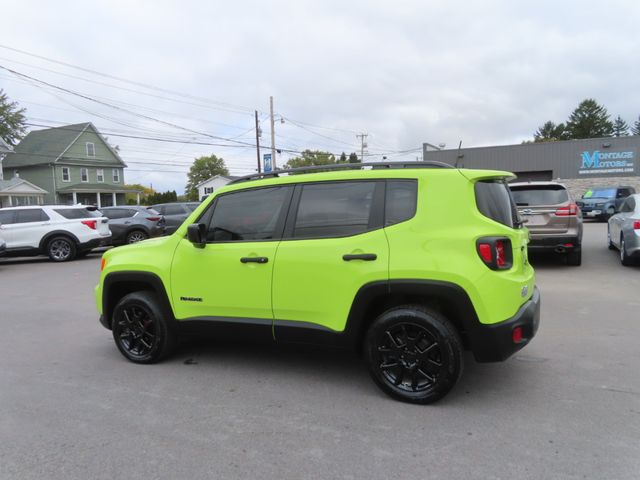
(29, 227)
(229, 279)
(334, 244)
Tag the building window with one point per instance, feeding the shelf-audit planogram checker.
(91, 149)
(116, 175)
(208, 190)
(100, 175)
(84, 174)
(66, 177)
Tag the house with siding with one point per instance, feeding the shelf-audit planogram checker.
(210, 185)
(73, 163)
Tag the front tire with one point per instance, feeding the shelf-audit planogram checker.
(141, 328)
(414, 354)
(61, 249)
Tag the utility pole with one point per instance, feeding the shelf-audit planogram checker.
(258, 140)
(273, 136)
(363, 144)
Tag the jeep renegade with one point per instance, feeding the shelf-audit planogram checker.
(409, 263)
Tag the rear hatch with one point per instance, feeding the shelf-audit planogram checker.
(544, 208)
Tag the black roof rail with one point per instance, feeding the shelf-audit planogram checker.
(341, 166)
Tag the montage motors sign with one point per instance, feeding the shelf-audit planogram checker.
(619, 162)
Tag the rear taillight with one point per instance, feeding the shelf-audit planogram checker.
(495, 252)
(90, 223)
(570, 210)
(153, 219)
(636, 225)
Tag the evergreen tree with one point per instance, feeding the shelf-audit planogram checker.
(550, 132)
(353, 158)
(635, 129)
(343, 158)
(589, 120)
(620, 127)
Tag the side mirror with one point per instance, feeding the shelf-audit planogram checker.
(197, 234)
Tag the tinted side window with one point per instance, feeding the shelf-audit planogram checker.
(401, 200)
(174, 210)
(247, 215)
(629, 205)
(76, 213)
(494, 201)
(7, 217)
(334, 209)
(31, 215)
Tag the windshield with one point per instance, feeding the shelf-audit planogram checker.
(600, 193)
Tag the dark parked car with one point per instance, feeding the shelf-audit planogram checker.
(175, 213)
(552, 217)
(133, 224)
(624, 231)
(603, 202)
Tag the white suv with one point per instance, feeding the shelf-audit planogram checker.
(61, 232)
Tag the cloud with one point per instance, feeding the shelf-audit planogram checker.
(405, 72)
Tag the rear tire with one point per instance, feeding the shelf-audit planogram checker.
(61, 249)
(141, 328)
(574, 258)
(625, 259)
(414, 354)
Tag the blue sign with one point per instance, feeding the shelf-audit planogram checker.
(598, 162)
(266, 163)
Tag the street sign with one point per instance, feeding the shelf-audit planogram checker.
(266, 163)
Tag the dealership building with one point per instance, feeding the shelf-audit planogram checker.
(579, 164)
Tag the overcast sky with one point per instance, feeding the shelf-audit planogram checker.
(405, 72)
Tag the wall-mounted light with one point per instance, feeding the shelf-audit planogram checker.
(606, 145)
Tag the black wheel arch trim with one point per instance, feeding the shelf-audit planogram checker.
(117, 284)
(57, 233)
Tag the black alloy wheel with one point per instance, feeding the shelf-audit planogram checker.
(140, 328)
(414, 354)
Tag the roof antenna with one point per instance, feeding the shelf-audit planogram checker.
(459, 155)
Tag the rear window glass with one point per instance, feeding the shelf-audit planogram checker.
(76, 213)
(600, 193)
(494, 201)
(539, 195)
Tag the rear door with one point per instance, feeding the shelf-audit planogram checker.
(333, 244)
(544, 207)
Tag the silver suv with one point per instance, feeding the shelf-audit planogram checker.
(552, 217)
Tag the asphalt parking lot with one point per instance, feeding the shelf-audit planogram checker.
(567, 406)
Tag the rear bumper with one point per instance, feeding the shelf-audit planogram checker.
(553, 242)
(95, 242)
(494, 343)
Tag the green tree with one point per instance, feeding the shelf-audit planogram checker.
(620, 127)
(550, 132)
(589, 120)
(165, 197)
(343, 158)
(311, 157)
(132, 198)
(202, 169)
(635, 129)
(12, 120)
(353, 158)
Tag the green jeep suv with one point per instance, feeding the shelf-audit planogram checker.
(408, 263)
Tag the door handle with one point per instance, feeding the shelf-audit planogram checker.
(254, 259)
(367, 257)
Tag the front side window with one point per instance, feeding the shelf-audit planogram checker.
(100, 175)
(66, 177)
(84, 174)
(334, 209)
(91, 149)
(7, 217)
(116, 175)
(247, 215)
